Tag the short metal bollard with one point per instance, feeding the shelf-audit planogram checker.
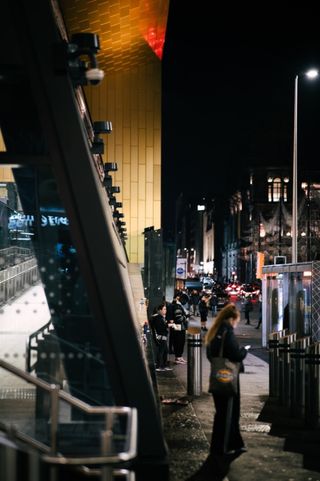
(284, 369)
(194, 376)
(312, 411)
(274, 341)
(298, 374)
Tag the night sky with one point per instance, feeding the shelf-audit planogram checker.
(228, 96)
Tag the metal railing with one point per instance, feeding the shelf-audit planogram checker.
(34, 337)
(48, 328)
(56, 356)
(10, 256)
(14, 280)
(107, 457)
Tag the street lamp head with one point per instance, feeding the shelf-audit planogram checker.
(312, 73)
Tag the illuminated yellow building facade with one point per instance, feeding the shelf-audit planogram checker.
(131, 34)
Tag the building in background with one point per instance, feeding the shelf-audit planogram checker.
(259, 220)
(132, 36)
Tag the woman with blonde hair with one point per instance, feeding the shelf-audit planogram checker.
(226, 441)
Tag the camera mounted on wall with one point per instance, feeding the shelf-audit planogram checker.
(100, 127)
(78, 58)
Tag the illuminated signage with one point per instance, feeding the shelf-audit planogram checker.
(21, 221)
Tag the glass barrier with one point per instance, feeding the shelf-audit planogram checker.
(45, 318)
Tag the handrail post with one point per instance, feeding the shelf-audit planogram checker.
(54, 427)
(54, 417)
(106, 444)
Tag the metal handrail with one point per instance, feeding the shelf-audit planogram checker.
(19, 273)
(53, 457)
(40, 332)
(30, 348)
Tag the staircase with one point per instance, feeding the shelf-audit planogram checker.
(100, 443)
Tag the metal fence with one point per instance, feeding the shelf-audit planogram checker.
(16, 279)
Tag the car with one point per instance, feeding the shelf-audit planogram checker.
(249, 290)
(207, 282)
(233, 289)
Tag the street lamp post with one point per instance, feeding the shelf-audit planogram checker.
(311, 74)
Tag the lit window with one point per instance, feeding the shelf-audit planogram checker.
(251, 179)
(277, 189)
(276, 194)
(262, 232)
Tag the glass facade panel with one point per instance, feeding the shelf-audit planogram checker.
(45, 318)
(289, 303)
(300, 303)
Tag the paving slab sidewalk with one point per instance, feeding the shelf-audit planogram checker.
(279, 447)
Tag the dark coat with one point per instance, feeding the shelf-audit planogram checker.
(179, 315)
(203, 306)
(231, 348)
(248, 306)
(159, 324)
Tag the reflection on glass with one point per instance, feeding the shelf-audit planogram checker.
(45, 319)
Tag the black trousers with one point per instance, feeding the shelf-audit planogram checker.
(225, 438)
(162, 354)
(203, 316)
(226, 430)
(178, 339)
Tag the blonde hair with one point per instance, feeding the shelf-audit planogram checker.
(228, 312)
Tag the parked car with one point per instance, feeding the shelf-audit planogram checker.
(233, 289)
(207, 282)
(249, 290)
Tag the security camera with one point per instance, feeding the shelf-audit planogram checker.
(110, 167)
(94, 75)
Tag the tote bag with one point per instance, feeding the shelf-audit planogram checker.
(223, 374)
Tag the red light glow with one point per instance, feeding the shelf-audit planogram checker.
(155, 39)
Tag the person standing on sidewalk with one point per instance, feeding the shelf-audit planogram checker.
(260, 312)
(160, 332)
(226, 441)
(178, 331)
(204, 309)
(194, 301)
(247, 309)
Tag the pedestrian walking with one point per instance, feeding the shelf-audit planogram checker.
(247, 309)
(204, 309)
(226, 441)
(260, 312)
(194, 301)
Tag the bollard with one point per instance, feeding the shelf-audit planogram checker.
(194, 373)
(312, 410)
(298, 373)
(284, 368)
(274, 340)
